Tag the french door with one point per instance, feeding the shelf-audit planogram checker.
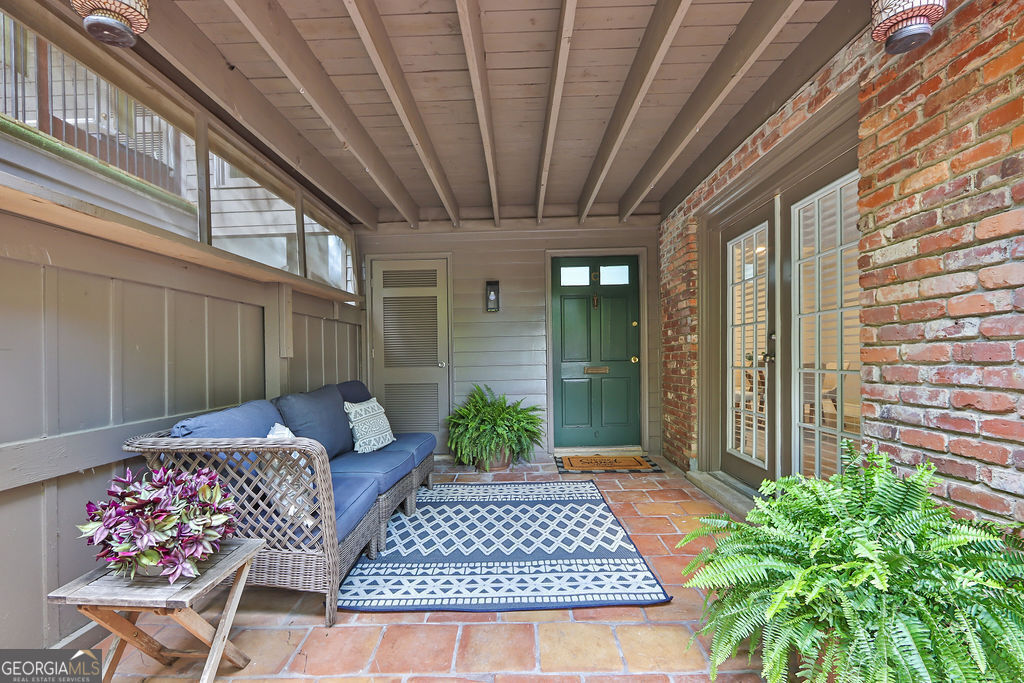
(826, 326)
(749, 337)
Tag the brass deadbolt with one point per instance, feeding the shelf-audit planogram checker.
(634, 359)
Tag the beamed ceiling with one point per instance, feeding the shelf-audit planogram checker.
(471, 109)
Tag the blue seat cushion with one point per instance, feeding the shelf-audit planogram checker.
(318, 415)
(420, 444)
(353, 497)
(354, 391)
(386, 468)
(249, 420)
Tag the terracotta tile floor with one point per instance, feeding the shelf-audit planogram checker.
(283, 630)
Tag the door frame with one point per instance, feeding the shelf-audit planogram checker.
(367, 279)
(645, 347)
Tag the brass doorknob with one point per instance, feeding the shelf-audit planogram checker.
(634, 359)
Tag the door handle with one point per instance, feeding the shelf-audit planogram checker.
(442, 364)
(767, 358)
(634, 360)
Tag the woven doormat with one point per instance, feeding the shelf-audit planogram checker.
(503, 547)
(600, 464)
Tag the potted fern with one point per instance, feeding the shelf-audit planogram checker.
(863, 577)
(488, 431)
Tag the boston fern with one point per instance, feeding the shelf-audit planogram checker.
(864, 578)
(487, 425)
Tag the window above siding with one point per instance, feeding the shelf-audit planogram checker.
(61, 121)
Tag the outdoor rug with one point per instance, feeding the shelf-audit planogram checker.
(503, 547)
(601, 464)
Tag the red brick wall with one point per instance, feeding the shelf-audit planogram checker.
(942, 257)
(942, 204)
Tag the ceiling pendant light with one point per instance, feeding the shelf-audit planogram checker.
(114, 22)
(904, 24)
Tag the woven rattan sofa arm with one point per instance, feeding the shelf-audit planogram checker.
(298, 463)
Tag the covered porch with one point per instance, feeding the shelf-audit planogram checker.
(724, 236)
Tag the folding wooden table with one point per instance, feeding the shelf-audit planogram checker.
(100, 595)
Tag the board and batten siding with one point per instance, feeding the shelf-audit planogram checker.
(507, 350)
(99, 342)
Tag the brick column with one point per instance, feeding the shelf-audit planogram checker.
(942, 256)
(678, 270)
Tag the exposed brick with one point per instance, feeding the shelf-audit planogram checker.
(981, 498)
(1003, 326)
(926, 353)
(985, 401)
(953, 283)
(981, 302)
(933, 441)
(996, 454)
(1003, 428)
(1010, 113)
(1007, 275)
(1000, 225)
(983, 352)
(979, 154)
(1011, 60)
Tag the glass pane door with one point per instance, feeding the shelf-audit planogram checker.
(747, 339)
(826, 292)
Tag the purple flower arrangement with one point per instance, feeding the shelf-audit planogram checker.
(164, 518)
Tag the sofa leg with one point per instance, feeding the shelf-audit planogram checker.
(430, 481)
(331, 605)
(372, 549)
(409, 504)
(382, 536)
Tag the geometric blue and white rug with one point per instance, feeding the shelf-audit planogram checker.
(504, 547)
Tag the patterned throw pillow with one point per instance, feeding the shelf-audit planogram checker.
(370, 427)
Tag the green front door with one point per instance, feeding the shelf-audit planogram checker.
(595, 303)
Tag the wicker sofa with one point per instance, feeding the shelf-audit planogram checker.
(318, 504)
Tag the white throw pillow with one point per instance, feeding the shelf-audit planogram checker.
(279, 431)
(370, 427)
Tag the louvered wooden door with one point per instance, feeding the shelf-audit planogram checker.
(410, 352)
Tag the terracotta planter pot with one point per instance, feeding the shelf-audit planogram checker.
(502, 463)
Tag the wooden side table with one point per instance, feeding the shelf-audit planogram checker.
(100, 594)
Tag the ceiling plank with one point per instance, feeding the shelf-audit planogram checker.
(366, 17)
(843, 22)
(755, 32)
(565, 27)
(270, 25)
(473, 38)
(658, 36)
(173, 35)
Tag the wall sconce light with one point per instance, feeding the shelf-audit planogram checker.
(114, 22)
(491, 297)
(904, 24)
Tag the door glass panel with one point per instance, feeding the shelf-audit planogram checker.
(747, 408)
(827, 326)
(614, 275)
(575, 276)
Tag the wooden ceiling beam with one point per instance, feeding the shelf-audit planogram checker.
(473, 38)
(272, 28)
(661, 31)
(757, 29)
(565, 27)
(173, 35)
(366, 17)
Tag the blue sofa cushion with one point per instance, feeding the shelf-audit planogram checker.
(354, 391)
(318, 415)
(249, 420)
(419, 444)
(353, 498)
(386, 468)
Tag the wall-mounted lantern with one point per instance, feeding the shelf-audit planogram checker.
(491, 297)
(904, 24)
(114, 22)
